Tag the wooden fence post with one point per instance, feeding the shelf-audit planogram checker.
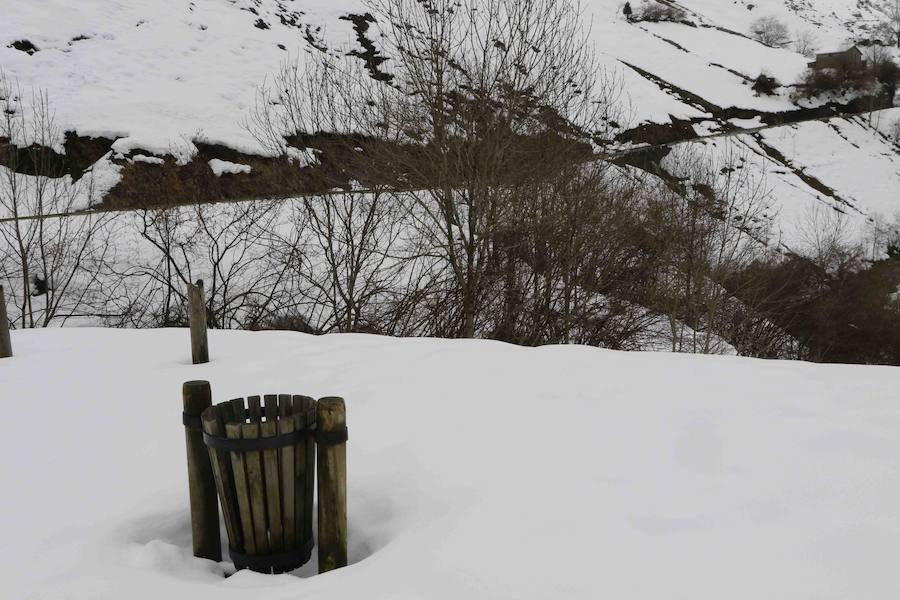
(197, 318)
(197, 397)
(5, 341)
(331, 421)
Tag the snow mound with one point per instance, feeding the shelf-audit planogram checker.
(476, 470)
(223, 167)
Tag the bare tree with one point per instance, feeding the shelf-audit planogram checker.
(51, 264)
(770, 31)
(499, 95)
(572, 262)
(350, 262)
(806, 42)
(889, 24)
(231, 246)
(712, 231)
(480, 99)
(825, 240)
(655, 12)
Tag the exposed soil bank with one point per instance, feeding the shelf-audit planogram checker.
(80, 153)
(146, 184)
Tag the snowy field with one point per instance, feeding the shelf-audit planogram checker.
(476, 470)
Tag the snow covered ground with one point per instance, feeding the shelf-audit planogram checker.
(476, 470)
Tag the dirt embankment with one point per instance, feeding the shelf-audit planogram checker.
(79, 153)
(168, 183)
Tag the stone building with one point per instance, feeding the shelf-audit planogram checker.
(851, 58)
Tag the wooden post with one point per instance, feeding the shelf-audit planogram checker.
(201, 484)
(197, 317)
(331, 418)
(5, 341)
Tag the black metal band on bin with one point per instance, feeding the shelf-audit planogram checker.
(331, 438)
(191, 422)
(264, 563)
(266, 443)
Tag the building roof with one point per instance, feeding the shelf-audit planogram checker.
(839, 53)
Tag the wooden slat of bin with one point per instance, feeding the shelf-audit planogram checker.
(269, 428)
(239, 408)
(286, 464)
(253, 405)
(212, 425)
(304, 454)
(233, 432)
(255, 480)
(271, 402)
(226, 414)
(310, 469)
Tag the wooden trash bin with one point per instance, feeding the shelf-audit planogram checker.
(263, 461)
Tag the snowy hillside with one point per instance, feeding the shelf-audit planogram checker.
(476, 470)
(157, 77)
(843, 168)
(157, 73)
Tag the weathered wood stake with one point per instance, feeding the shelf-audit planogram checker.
(201, 484)
(197, 316)
(331, 417)
(5, 341)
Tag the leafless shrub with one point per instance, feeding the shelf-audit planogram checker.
(712, 231)
(656, 12)
(351, 262)
(888, 26)
(570, 261)
(842, 80)
(765, 84)
(485, 99)
(770, 31)
(826, 241)
(806, 42)
(230, 246)
(50, 265)
(880, 61)
(895, 132)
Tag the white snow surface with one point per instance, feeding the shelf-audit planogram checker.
(158, 73)
(476, 470)
(143, 158)
(223, 167)
(155, 73)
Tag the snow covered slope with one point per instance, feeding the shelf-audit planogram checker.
(158, 72)
(845, 169)
(476, 470)
(156, 76)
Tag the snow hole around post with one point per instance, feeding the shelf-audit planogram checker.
(161, 542)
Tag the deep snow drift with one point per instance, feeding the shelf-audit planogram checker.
(476, 470)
